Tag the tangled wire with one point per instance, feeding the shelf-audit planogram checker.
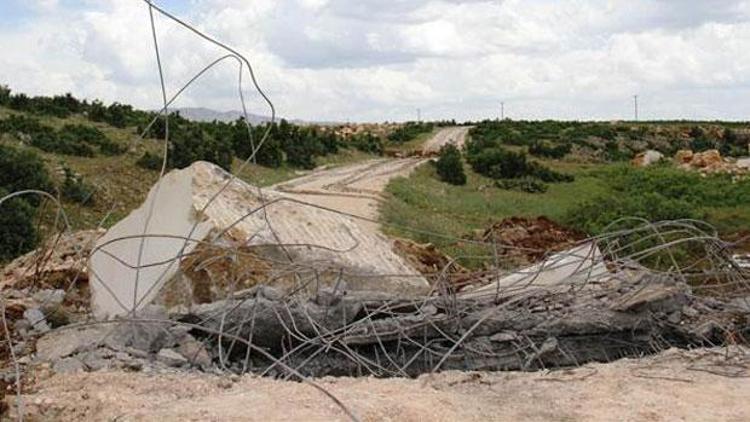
(640, 288)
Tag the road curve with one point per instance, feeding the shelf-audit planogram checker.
(357, 188)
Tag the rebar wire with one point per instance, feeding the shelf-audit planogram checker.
(404, 334)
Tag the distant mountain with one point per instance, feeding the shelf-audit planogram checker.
(200, 114)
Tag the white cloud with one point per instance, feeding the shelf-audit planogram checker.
(377, 60)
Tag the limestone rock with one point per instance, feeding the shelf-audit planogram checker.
(683, 156)
(647, 158)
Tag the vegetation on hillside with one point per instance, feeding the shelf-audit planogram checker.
(423, 208)
(409, 131)
(21, 170)
(617, 141)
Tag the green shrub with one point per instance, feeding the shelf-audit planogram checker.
(450, 167)
(150, 161)
(524, 184)
(75, 189)
(190, 143)
(409, 131)
(91, 136)
(18, 233)
(657, 193)
(367, 142)
(23, 169)
(542, 149)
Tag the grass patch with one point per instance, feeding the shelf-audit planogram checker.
(424, 203)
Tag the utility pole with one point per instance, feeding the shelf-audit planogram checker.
(502, 110)
(635, 104)
(419, 115)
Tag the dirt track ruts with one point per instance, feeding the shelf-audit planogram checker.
(357, 188)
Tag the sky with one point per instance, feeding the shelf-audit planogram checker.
(377, 60)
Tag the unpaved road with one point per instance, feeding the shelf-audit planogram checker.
(451, 135)
(673, 386)
(357, 188)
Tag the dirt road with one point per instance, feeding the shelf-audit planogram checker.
(451, 135)
(356, 189)
(673, 386)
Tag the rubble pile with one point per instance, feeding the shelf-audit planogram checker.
(217, 277)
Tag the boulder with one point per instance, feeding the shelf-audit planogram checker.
(707, 159)
(201, 235)
(647, 158)
(683, 156)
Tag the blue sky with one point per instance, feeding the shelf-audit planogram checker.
(374, 60)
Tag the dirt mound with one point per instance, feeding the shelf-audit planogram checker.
(427, 259)
(523, 240)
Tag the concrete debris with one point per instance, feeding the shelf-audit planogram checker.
(171, 357)
(297, 234)
(68, 365)
(37, 320)
(647, 158)
(659, 296)
(742, 260)
(581, 267)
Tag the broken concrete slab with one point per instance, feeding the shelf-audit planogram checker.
(171, 358)
(578, 267)
(187, 203)
(66, 342)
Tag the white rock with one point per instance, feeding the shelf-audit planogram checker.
(329, 241)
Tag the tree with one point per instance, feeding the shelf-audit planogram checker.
(450, 168)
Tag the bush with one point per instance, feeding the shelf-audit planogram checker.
(657, 193)
(594, 216)
(190, 143)
(409, 131)
(541, 149)
(150, 161)
(524, 184)
(23, 169)
(92, 137)
(75, 189)
(450, 168)
(367, 142)
(18, 234)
